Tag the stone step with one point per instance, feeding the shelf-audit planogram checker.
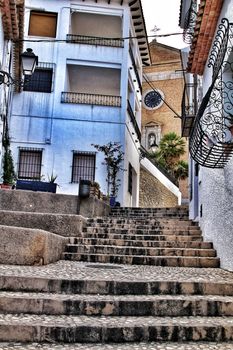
(110, 230)
(141, 227)
(142, 243)
(123, 210)
(152, 237)
(178, 261)
(149, 213)
(120, 220)
(122, 250)
(141, 217)
(102, 329)
(117, 305)
(121, 280)
(147, 225)
(123, 346)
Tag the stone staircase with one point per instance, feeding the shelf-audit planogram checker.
(161, 237)
(136, 280)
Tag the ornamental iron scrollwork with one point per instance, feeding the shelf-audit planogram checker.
(211, 141)
(190, 22)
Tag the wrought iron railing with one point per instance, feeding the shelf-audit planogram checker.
(92, 40)
(90, 99)
(145, 154)
(189, 108)
(135, 69)
(134, 121)
(211, 141)
(190, 22)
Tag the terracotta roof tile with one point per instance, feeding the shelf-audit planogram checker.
(207, 18)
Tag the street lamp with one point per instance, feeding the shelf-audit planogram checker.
(28, 63)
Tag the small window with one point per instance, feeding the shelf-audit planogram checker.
(40, 81)
(30, 164)
(83, 166)
(130, 179)
(43, 24)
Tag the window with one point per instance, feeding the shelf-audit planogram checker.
(41, 80)
(43, 24)
(30, 163)
(83, 166)
(130, 179)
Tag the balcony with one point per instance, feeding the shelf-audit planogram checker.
(134, 121)
(135, 69)
(211, 140)
(189, 109)
(91, 99)
(90, 29)
(92, 40)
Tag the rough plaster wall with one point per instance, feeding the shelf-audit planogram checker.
(216, 198)
(153, 193)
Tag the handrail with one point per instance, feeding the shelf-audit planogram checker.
(93, 40)
(92, 99)
(146, 154)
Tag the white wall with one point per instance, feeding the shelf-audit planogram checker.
(216, 190)
(41, 120)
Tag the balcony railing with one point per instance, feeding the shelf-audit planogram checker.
(90, 99)
(135, 69)
(190, 22)
(134, 121)
(92, 40)
(211, 140)
(189, 109)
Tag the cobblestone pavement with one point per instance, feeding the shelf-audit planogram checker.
(141, 346)
(79, 270)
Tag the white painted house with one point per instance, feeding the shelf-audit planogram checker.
(11, 20)
(208, 121)
(86, 90)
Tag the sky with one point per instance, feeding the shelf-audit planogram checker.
(165, 15)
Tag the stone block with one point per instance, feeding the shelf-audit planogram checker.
(23, 246)
(61, 224)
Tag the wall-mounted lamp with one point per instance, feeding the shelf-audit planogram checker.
(28, 62)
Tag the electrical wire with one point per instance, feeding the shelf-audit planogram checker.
(104, 38)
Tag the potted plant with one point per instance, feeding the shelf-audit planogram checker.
(38, 185)
(113, 158)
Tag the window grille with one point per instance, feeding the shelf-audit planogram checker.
(43, 24)
(83, 167)
(30, 161)
(42, 78)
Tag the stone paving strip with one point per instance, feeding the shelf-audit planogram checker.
(137, 346)
(72, 270)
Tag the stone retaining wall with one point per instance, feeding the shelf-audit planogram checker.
(153, 193)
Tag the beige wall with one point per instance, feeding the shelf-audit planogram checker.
(153, 193)
(165, 74)
(94, 80)
(96, 25)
